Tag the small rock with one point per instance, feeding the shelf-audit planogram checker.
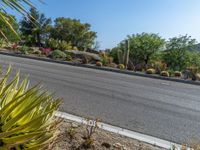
(197, 76)
(75, 125)
(85, 57)
(124, 148)
(118, 146)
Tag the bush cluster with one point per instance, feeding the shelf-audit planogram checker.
(58, 44)
(58, 54)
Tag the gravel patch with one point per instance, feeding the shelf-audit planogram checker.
(72, 137)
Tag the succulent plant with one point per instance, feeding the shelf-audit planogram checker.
(123, 56)
(121, 66)
(58, 54)
(58, 44)
(26, 115)
(177, 74)
(98, 63)
(151, 71)
(164, 73)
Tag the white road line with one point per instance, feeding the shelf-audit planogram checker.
(165, 83)
(128, 133)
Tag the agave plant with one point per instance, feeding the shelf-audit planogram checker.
(17, 5)
(26, 115)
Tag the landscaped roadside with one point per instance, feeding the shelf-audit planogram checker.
(78, 62)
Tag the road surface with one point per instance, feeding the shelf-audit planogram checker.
(163, 109)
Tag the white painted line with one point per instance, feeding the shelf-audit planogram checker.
(165, 83)
(128, 133)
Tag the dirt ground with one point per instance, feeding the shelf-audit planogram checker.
(73, 136)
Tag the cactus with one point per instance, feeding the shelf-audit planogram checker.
(165, 73)
(121, 66)
(177, 74)
(123, 56)
(99, 64)
(120, 54)
(127, 51)
(151, 71)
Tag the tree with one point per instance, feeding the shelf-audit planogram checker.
(5, 32)
(177, 52)
(194, 59)
(143, 46)
(72, 30)
(35, 27)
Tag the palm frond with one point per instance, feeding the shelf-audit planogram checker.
(26, 114)
(17, 5)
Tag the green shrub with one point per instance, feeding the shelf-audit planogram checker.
(58, 54)
(37, 52)
(27, 115)
(121, 66)
(68, 57)
(98, 63)
(115, 54)
(105, 59)
(171, 73)
(164, 73)
(151, 71)
(24, 49)
(63, 45)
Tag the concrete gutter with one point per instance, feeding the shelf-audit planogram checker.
(124, 132)
(103, 68)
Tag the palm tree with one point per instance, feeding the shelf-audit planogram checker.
(17, 5)
(35, 29)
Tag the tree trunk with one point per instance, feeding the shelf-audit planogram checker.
(146, 60)
(38, 40)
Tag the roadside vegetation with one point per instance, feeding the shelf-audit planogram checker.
(71, 40)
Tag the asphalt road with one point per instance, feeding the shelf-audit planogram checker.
(163, 109)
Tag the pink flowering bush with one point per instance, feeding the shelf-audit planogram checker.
(45, 51)
(15, 46)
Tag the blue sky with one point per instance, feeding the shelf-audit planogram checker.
(113, 20)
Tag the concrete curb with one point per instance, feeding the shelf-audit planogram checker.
(103, 68)
(131, 134)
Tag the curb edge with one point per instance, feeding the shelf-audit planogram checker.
(124, 132)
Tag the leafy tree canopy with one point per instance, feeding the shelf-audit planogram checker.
(142, 47)
(72, 30)
(35, 27)
(177, 54)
